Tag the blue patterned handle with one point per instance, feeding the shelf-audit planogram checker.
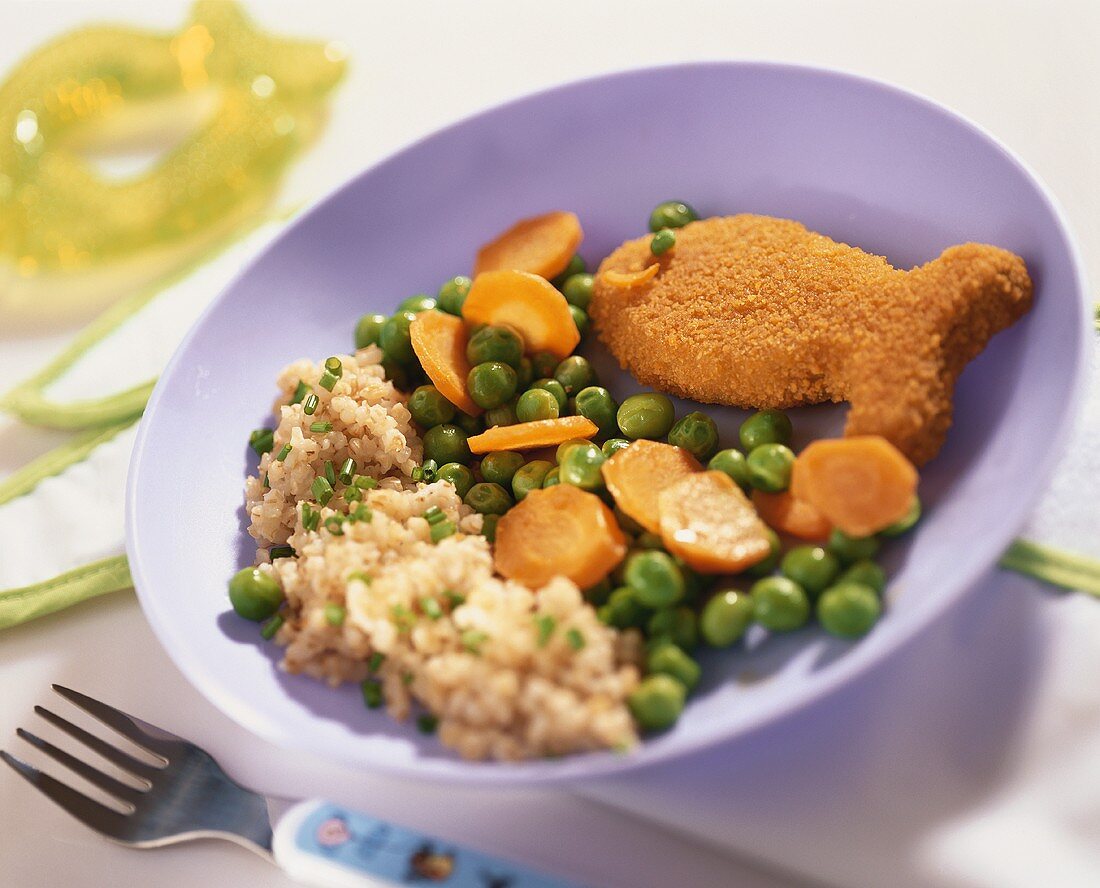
(323, 844)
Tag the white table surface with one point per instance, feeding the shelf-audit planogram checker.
(1028, 72)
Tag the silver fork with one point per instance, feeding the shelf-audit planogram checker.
(186, 795)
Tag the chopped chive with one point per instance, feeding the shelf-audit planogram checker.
(372, 693)
(261, 440)
(417, 474)
(472, 640)
(433, 515)
(335, 613)
(267, 481)
(575, 639)
(311, 518)
(283, 453)
(442, 529)
(327, 381)
(271, 626)
(282, 552)
(309, 404)
(361, 513)
(402, 617)
(360, 576)
(334, 524)
(299, 393)
(365, 482)
(347, 471)
(320, 427)
(454, 598)
(427, 724)
(335, 367)
(322, 490)
(375, 661)
(429, 470)
(352, 495)
(546, 625)
(431, 608)
(330, 473)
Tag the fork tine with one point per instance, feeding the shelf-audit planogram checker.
(91, 813)
(153, 739)
(108, 784)
(116, 756)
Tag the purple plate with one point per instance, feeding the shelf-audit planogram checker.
(860, 161)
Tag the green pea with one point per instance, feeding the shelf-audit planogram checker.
(576, 266)
(906, 523)
(580, 319)
(495, 343)
(671, 214)
(850, 549)
(491, 384)
(574, 374)
(368, 330)
(530, 477)
(769, 564)
(780, 604)
(471, 425)
(598, 594)
(544, 364)
(395, 373)
(453, 294)
(552, 477)
(489, 527)
(577, 290)
(564, 446)
(581, 466)
(657, 701)
(446, 443)
(395, 339)
(255, 595)
(504, 415)
(648, 415)
(535, 404)
(429, 408)
(655, 578)
(663, 241)
(667, 659)
(812, 567)
(488, 499)
(418, 303)
(765, 427)
(555, 388)
(499, 466)
(866, 573)
(524, 374)
(622, 609)
(460, 476)
(733, 463)
(726, 617)
(848, 609)
(697, 434)
(595, 403)
(613, 445)
(769, 467)
(676, 624)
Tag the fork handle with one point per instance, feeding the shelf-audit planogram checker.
(326, 845)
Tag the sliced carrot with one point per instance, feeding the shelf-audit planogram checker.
(527, 302)
(439, 341)
(530, 435)
(561, 531)
(708, 521)
(860, 484)
(791, 516)
(542, 245)
(638, 473)
(626, 279)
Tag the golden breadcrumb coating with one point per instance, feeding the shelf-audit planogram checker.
(759, 312)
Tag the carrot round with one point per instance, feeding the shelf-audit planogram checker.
(626, 279)
(530, 435)
(542, 245)
(558, 531)
(527, 302)
(638, 473)
(860, 484)
(439, 341)
(708, 521)
(791, 516)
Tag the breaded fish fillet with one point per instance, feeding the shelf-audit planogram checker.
(754, 311)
